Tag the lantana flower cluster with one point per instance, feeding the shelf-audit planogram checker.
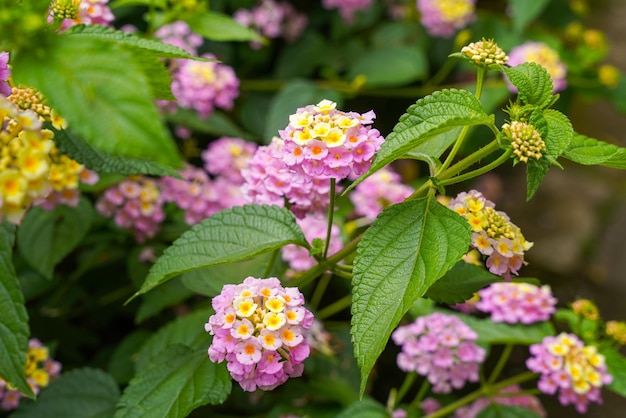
(273, 19)
(328, 143)
(347, 8)
(442, 348)
(134, 204)
(542, 54)
(313, 226)
(484, 53)
(179, 34)
(375, 193)
(268, 180)
(517, 302)
(259, 328)
(40, 371)
(494, 235)
(87, 12)
(227, 156)
(577, 372)
(442, 18)
(5, 74)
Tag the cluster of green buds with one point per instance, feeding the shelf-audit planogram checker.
(65, 9)
(525, 140)
(484, 53)
(617, 331)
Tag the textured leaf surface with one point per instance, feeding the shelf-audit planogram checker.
(616, 365)
(82, 393)
(233, 234)
(460, 283)
(508, 411)
(407, 248)
(220, 27)
(176, 381)
(111, 109)
(366, 408)
(590, 151)
(428, 117)
(533, 83)
(391, 66)
(47, 237)
(102, 162)
(14, 318)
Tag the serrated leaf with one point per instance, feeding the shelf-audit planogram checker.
(233, 234)
(490, 332)
(508, 411)
(173, 384)
(616, 366)
(533, 83)
(152, 45)
(409, 247)
(365, 408)
(590, 151)
(82, 393)
(102, 162)
(293, 95)
(187, 330)
(110, 107)
(560, 132)
(537, 169)
(460, 283)
(427, 118)
(523, 12)
(391, 66)
(47, 237)
(435, 147)
(14, 330)
(220, 27)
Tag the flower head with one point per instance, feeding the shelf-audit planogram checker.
(485, 53)
(259, 328)
(5, 73)
(577, 372)
(442, 348)
(517, 302)
(617, 331)
(442, 18)
(180, 34)
(227, 156)
(40, 370)
(273, 19)
(586, 308)
(494, 235)
(525, 140)
(314, 226)
(375, 193)
(87, 12)
(542, 54)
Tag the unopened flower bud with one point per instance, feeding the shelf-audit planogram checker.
(525, 140)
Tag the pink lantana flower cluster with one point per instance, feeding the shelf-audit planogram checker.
(442, 18)
(325, 142)
(273, 19)
(508, 398)
(577, 372)
(314, 226)
(375, 193)
(442, 348)
(203, 86)
(347, 8)
(494, 235)
(134, 204)
(180, 34)
(542, 54)
(517, 302)
(5, 74)
(40, 371)
(259, 328)
(227, 156)
(268, 180)
(87, 12)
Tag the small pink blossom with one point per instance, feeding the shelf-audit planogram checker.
(517, 302)
(442, 18)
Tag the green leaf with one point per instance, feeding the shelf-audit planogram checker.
(409, 247)
(424, 120)
(508, 411)
(523, 12)
(217, 124)
(533, 83)
(436, 146)
(121, 364)
(82, 393)
(102, 162)
(616, 366)
(161, 4)
(365, 408)
(154, 46)
(108, 105)
(293, 95)
(187, 330)
(460, 283)
(173, 384)
(159, 77)
(170, 293)
(301, 58)
(47, 237)
(233, 234)
(391, 66)
(220, 27)
(14, 319)
(590, 151)
(490, 332)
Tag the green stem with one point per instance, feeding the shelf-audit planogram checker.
(421, 393)
(480, 78)
(455, 149)
(482, 170)
(504, 357)
(406, 385)
(469, 160)
(442, 73)
(345, 267)
(321, 287)
(270, 263)
(486, 390)
(333, 308)
(331, 212)
(344, 274)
